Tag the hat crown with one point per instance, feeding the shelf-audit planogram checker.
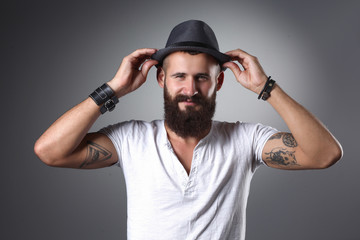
(194, 35)
(195, 31)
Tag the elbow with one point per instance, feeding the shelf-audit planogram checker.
(337, 155)
(42, 151)
(333, 155)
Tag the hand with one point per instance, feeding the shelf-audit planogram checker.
(253, 76)
(133, 71)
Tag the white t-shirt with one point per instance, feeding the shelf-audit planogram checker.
(164, 202)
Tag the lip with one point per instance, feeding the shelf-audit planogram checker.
(189, 103)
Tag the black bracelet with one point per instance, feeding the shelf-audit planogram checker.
(109, 105)
(104, 96)
(265, 93)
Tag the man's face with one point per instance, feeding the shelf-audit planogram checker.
(191, 75)
(190, 83)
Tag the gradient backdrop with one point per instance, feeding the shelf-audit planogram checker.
(56, 52)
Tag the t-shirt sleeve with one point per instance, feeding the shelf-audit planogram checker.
(260, 135)
(117, 133)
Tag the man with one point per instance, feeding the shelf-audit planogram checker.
(187, 176)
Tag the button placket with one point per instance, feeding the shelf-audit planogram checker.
(182, 177)
(190, 186)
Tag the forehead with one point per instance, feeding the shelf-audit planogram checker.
(185, 62)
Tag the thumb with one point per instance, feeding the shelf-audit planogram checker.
(145, 68)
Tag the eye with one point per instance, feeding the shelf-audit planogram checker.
(179, 76)
(202, 78)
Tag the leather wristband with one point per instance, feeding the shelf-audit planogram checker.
(265, 93)
(109, 105)
(106, 97)
(102, 94)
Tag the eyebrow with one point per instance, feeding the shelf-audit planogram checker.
(178, 74)
(197, 75)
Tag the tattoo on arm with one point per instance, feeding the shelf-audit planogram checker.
(276, 136)
(95, 153)
(281, 156)
(287, 138)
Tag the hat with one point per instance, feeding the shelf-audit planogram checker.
(192, 35)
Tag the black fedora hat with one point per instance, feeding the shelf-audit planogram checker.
(192, 35)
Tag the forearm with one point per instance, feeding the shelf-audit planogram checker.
(312, 137)
(66, 133)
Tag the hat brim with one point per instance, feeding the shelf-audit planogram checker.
(162, 53)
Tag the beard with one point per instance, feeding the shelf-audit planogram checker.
(191, 122)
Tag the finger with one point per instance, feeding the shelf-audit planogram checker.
(237, 53)
(233, 67)
(142, 52)
(245, 60)
(138, 57)
(240, 55)
(147, 66)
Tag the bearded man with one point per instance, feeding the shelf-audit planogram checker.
(187, 176)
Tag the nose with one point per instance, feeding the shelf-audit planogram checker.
(190, 88)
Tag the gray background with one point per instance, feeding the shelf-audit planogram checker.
(55, 53)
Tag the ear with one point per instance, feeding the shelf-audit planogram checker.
(160, 75)
(220, 80)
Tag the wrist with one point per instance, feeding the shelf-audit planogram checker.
(118, 89)
(257, 90)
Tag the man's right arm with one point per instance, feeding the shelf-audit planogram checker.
(67, 143)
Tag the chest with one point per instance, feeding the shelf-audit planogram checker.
(184, 153)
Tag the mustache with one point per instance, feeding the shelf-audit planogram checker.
(196, 98)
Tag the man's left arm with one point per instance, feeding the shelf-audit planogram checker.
(309, 145)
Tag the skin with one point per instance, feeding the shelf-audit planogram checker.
(308, 145)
